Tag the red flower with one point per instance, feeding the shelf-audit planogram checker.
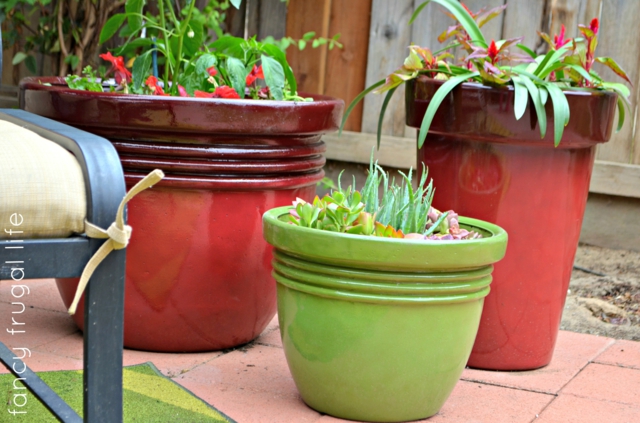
(152, 82)
(594, 26)
(202, 94)
(212, 71)
(224, 91)
(559, 39)
(117, 67)
(492, 52)
(182, 91)
(255, 73)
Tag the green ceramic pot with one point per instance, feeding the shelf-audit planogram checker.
(378, 329)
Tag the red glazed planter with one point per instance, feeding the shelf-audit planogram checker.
(198, 274)
(487, 165)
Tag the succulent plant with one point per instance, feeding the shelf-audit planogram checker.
(401, 211)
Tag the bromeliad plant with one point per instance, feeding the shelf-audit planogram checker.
(567, 66)
(401, 211)
(172, 56)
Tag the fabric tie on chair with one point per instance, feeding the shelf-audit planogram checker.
(117, 235)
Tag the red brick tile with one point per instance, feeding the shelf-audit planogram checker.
(573, 352)
(250, 385)
(478, 403)
(273, 324)
(246, 406)
(40, 326)
(271, 334)
(605, 382)
(622, 353)
(571, 409)
(271, 338)
(70, 346)
(45, 362)
(169, 364)
(43, 293)
(329, 419)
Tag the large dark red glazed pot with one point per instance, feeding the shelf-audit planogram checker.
(198, 274)
(490, 166)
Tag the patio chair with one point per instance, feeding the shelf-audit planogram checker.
(60, 243)
(65, 257)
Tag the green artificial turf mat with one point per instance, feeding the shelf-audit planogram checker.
(149, 397)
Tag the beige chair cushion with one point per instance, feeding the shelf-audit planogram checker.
(40, 181)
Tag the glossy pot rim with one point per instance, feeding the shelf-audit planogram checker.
(59, 85)
(123, 113)
(477, 112)
(366, 252)
(481, 87)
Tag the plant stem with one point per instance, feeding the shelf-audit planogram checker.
(183, 29)
(166, 44)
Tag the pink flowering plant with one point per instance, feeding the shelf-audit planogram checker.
(172, 55)
(567, 66)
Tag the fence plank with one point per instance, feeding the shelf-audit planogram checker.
(235, 20)
(525, 17)
(565, 12)
(400, 152)
(265, 17)
(493, 29)
(618, 38)
(272, 16)
(424, 32)
(347, 67)
(389, 37)
(309, 64)
(615, 179)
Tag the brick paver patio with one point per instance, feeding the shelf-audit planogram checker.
(591, 378)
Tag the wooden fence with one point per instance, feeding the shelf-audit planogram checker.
(376, 34)
(617, 169)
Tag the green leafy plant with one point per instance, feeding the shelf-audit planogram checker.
(399, 212)
(176, 41)
(567, 66)
(310, 37)
(88, 82)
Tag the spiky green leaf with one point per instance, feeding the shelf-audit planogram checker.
(614, 66)
(437, 99)
(521, 98)
(461, 14)
(534, 92)
(560, 111)
(356, 100)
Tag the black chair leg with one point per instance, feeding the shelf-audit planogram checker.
(103, 341)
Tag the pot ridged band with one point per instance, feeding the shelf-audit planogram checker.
(388, 288)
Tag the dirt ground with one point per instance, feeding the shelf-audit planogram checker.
(604, 294)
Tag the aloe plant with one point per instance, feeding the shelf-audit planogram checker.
(400, 212)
